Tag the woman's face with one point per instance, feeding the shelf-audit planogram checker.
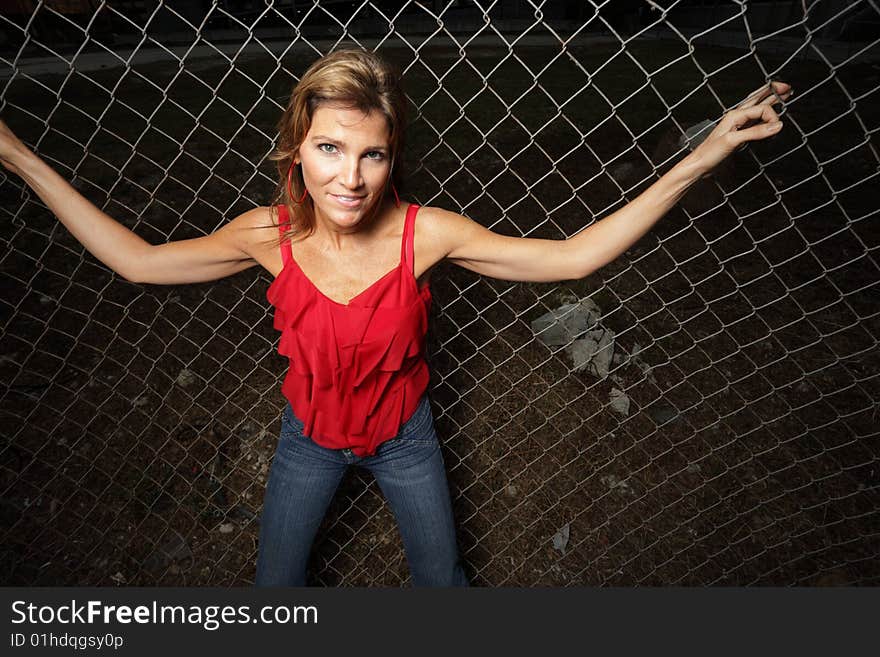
(345, 164)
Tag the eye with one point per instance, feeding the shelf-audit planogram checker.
(327, 148)
(375, 155)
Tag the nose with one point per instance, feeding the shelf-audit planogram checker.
(351, 173)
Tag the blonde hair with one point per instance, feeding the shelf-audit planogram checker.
(349, 78)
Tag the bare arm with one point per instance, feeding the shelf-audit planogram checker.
(222, 253)
(522, 259)
(541, 260)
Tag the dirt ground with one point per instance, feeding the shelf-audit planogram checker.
(139, 421)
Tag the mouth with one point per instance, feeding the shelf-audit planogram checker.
(348, 201)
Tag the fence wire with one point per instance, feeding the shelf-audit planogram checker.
(701, 411)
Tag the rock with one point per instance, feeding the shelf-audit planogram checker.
(593, 353)
(566, 323)
(619, 401)
(560, 538)
(186, 378)
(576, 326)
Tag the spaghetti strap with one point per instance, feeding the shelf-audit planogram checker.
(407, 243)
(283, 226)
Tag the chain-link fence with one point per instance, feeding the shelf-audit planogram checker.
(703, 412)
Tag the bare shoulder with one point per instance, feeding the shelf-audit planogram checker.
(442, 229)
(440, 217)
(253, 228)
(264, 216)
(255, 233)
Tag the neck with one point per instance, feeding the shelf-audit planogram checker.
(340, 239)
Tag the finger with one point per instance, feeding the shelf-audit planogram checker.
(762, 94)
(780, 88)
(782, 92)
(754, 98)
(755, 133)
(768, 114)
(740, 117)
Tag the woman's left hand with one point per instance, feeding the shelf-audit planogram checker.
(752, 120)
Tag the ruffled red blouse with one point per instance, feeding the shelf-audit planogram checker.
(357, 370)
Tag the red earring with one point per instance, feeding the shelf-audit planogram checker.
(289, 191)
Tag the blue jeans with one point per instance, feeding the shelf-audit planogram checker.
(410, 472)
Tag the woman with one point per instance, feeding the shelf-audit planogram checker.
(352, 265)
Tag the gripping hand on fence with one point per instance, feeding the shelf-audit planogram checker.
(752, 120)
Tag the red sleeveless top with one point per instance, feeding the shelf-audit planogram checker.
(357, 370)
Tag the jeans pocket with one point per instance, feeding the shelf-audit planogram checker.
(291, 426)
(419, 427)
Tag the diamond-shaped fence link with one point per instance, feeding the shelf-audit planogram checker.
(708, 416)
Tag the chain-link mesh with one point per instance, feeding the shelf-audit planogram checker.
(713, 419)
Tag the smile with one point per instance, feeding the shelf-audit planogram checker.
(348, 201)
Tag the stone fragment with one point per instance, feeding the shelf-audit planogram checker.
(619, 401)
(566, 323)
(560, 538)
(589, 346)
(593, 354)
(186, 378)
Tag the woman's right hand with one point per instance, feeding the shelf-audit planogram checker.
(12, 149)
